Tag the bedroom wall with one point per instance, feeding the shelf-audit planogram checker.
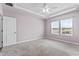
(74, 38)
(28, 25)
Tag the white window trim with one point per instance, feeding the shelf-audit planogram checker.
(60, 31)
(50, 28)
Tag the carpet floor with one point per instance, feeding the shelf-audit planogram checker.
(41, 47)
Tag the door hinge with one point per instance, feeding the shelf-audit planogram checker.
(1, 41)
(2, 19)
(1, 30)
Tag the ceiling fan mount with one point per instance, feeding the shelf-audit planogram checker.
(46, 9)
(9, 4)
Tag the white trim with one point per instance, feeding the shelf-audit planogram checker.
(62, 12)
(75, 43)
(27, 10)
(29, 40)
(25, 41)
(19, 42)
(58, 13)
(9, 44)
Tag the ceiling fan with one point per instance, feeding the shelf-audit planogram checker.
(46, 9)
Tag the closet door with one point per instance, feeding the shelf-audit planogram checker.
(9, 31)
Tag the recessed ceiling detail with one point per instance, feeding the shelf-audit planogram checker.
(45, 9)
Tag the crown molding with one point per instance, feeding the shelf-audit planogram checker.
(64, 11)
(27, 10)
(73, 8)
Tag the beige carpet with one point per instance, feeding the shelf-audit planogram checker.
(41, 47)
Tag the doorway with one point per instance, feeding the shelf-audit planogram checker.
(9, 31)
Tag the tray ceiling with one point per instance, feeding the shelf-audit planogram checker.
(37, 8)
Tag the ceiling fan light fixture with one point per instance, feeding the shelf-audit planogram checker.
(45, 9)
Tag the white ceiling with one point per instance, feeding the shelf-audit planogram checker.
(36, 8)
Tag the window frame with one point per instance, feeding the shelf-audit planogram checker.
(60, 28)
(50, 27)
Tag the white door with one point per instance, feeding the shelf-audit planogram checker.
(9, 31)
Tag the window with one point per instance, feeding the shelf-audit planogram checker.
(55, 27)
(66, 27)
(62, 27)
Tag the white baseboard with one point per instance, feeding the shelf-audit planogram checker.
(24, 41)
(64, 41)
(8, 44)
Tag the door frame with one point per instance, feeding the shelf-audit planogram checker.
(1, 38)
(8, 44)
